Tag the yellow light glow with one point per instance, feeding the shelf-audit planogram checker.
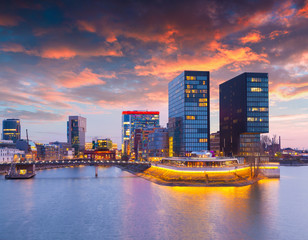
(190, 117)
(208, 171)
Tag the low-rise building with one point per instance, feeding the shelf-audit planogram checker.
(8, 155)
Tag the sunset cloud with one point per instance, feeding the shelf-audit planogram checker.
(84, 78)
(60, 59)
(252, 37)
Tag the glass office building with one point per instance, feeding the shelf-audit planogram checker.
(11, 129)
(189, 113)
(132, 120)
(243, 113)
(76, 133)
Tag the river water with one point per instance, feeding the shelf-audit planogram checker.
(70, 203)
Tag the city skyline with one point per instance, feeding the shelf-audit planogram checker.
(102, 59)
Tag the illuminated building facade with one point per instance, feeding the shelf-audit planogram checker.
(243, 113)
(132, 120)
(11, 129)
(76, 133)
(105, 144)
(189, 113)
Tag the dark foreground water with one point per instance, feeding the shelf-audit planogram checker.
(71, 203)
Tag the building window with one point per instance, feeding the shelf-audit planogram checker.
(190, 77)
(190, 117)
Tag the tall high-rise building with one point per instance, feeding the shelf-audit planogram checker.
(11, 129)
(132, 120)
(243, 111)
(189, 113)
(76, 132)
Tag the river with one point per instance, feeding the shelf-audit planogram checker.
(70, 203)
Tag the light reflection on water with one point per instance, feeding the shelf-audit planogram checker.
(71, 203)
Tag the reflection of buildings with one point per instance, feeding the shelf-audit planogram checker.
(215, 142)
(189, 111)
(76, 132)
(243, 113)
(11, 129)
(132, 120)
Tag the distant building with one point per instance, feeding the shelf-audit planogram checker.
(132, 120)
(215, 143)
(29, 147)
(189, 113)
(7, 144)
(89, 145)
(11, 129)
(8, 155)
(243, 113)
(102, 144)
(76, 133)
(64, 149)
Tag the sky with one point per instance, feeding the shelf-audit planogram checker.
(98, 58)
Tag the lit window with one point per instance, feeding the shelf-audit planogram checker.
(255, 80)
(190, 117)
(202, 104)
(190, 77)
(256, 89)
(188, 91)
(202, 140)
(202, 99)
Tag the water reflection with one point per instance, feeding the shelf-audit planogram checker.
(72, 204)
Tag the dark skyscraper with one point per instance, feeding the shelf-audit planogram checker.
(243, 113)
(76, 132)
(11, 129)
(189, 113)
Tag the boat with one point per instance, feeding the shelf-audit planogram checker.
(21, 171)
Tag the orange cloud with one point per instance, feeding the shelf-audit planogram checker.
(303, 11)
(159, 66)
(60, 52)
(86, 26)
(289, 91)
(84, 78)
(277, 33)
(252, 37)
(9, 21)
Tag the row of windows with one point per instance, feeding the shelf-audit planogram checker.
(257, 109)
(195, 122)
(204, 125)
(196, 78)
(257, 129)
(195, 91)
(195, 135)
(257, 94)
(257, 124)
(196, 144)
(198, 109)
(198, 112)
(257, 99)
(256, 103)
(250, 84)
(196, 117)
(257, 80)
(257, 114)
(256, 119)
(196, 132)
